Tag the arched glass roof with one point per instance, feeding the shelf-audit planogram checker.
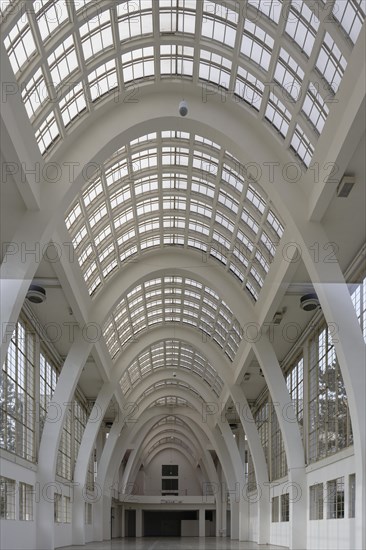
(171, 440)
(172, 299)
(171, 386)
(170, 354)
(171, 401)
(282, 60)
(174, 188)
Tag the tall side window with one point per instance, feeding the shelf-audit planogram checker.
(295, 385)
(358, 296)
(17, 399)
(7, 498)
(329, 420)
(352, 496)
(316, 501)
(25, 502)
(335, 498)
(275, 509)
(48, 375)
(285, 507)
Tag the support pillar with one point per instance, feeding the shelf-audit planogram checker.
(138, 523)
(202, 522)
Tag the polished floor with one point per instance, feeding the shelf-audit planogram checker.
(185, 543)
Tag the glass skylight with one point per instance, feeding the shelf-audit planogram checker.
(289, 74)
(219, 23)
(96, 35)
(257, 44)
(50, 16)
(19, 44)
(137, 210)
(173, 355)
(271, 9)
(278, 114)
(331, 63)
(302, 25)
(315, 108)
(302, 145)
(106, 48)
(172, 299)
(351, 15)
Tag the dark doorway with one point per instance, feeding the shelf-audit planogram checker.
(165, 523)
(130, 523)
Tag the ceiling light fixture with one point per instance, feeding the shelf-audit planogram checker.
(309, 302)
(36, 294)
(183, 108)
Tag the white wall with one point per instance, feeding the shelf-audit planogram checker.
(253, 521)
(16, 534)
(279, 531)
(188, 479)
(332, 534)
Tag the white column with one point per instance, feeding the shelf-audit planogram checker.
(51, 436)
(81, 467)
(202, 522)
(292, 441)
(139, 523)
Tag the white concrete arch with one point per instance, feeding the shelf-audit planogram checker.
(167, 446)
(116, 447)
(206, 395)
(51, 436)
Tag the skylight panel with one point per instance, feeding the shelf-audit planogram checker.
(331, 63)
(138, 64)
(177, 15)
(302, 25)
(215, 68)
(257, 201)
(249, 88)
(194, 243)
(102, 80)
(278, 115)
(73, 216)
(116, 172)
(19, 44)
(249, 221)
(73, 104)
(228, 201)
(219, 23)
(150, 225)
(145, 159)
(233, 178)
(134, 19)
(50, 16)
(224, 221)
(275, 223)
(96, 35)
(79, 4)
(47, 132)
(204, 188)
(35, 93)
(146, 185)
(351, 15)
(301, 144)
(270, 8)
(257, 44)
(104, 234)
(289, 74)
(176, 156)
(121, 196)
(63, 61)
(176, 60)
(315, 108)
(97, 215)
